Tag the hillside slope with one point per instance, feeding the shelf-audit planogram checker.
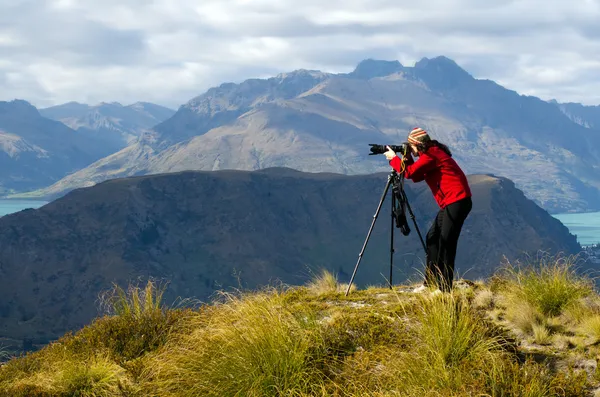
(321, 122)
(205, 231)
(36, 151)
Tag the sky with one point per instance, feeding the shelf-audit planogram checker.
(169, 51)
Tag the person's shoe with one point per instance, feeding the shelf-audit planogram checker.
(420, 289)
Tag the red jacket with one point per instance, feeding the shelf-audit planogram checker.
(446, 180)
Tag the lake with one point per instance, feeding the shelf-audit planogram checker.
(11, 206)
(585, 226)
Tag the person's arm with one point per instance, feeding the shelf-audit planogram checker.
(396, 163)
(417, 170)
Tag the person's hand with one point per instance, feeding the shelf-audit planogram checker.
(390, 154)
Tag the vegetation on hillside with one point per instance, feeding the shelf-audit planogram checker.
(528, 331)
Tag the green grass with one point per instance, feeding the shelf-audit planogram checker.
(550, 286)
(314, 341)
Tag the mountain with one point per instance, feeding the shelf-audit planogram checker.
(586, 116)
(36, 151)
(116, 124)
(314, 121)
(204, 231)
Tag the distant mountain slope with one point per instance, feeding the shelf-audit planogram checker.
(202, 230)
(314, 121)
(586, 116)
(36, 151)
(113, 122)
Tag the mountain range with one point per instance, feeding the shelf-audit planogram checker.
(586, 116)
(115, 123)
(314, 121)
(36, 150)
(204, 231)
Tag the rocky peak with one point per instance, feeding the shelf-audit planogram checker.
(67, 110)
(441, 64)
(116, 104)
(371, 68)
(441, 72)
(234, 97)
(18, 108)
(141, 106)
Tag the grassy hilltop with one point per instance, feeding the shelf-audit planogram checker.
(527, 331)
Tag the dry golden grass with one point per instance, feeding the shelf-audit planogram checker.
(484, 299)
(314, 341)
(591, 327)
(326, 283)
(550, 286)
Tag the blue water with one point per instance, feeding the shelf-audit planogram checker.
(11, 206)
(585, 226)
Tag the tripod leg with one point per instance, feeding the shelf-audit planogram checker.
(392, 238)
(387, 186)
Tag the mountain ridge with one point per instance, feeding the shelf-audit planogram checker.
(115, 123)
(306, 119)
(36, 151)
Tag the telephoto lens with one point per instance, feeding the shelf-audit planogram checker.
(380, 149)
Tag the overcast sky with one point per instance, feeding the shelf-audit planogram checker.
(168, 51)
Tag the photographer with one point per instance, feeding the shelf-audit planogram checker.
(451, 191)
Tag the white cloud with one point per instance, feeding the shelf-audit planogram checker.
(168, 51)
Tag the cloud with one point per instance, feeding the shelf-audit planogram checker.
(168, 51)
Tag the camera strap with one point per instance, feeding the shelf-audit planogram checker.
(400, 207)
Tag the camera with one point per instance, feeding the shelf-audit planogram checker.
(380, 149)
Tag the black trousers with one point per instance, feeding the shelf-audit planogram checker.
(442, 240)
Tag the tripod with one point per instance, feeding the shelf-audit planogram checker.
(399, 205)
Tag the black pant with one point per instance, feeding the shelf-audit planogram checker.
(442, 240)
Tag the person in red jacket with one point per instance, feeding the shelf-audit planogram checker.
(451, 191)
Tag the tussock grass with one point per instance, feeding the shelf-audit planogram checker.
(591, 327)
(326, 283)
(450, 331)
(450, 351)
(452, 338)
(137, 323)
(525, 317)
(251, 345)
(550, 286)
(541, 334)
(135, 301)
(68, 376)
(484, 299)
(102, 358)
(585, 308)
(314, 341)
